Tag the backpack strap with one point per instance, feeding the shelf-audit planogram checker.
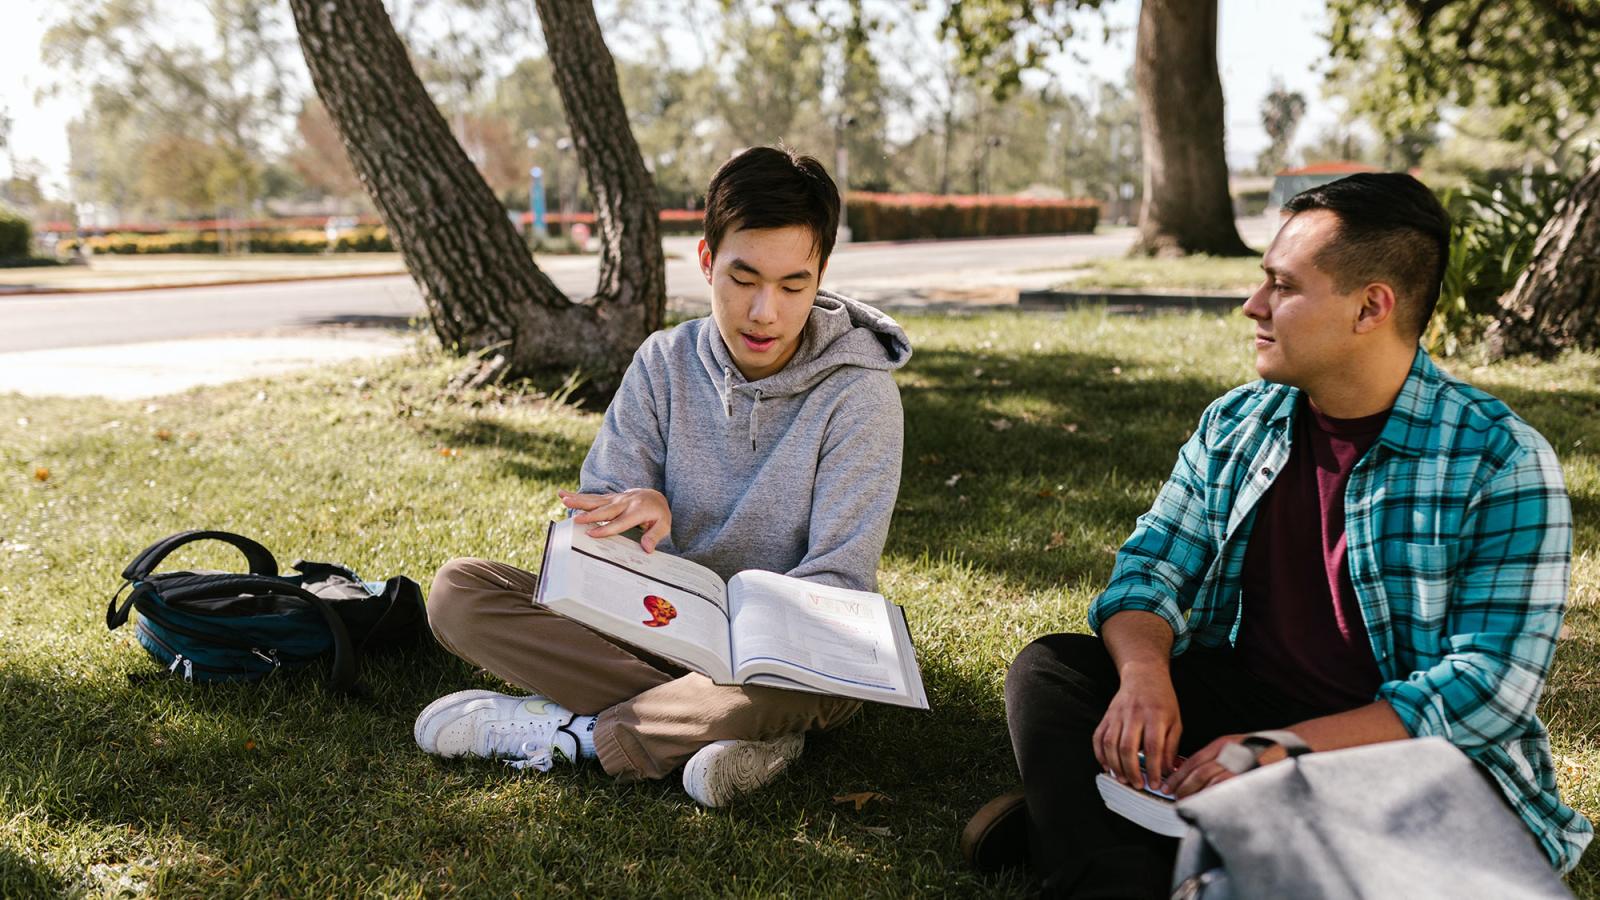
(259, 558)
(342, 677)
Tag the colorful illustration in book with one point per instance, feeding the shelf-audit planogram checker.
(661, 611)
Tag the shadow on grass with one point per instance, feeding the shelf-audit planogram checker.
(529, 454)
(215, 782)
(1003, 456)
(22, 877)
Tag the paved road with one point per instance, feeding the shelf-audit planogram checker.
(928, 274)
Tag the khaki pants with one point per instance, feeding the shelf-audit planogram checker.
(653, 714)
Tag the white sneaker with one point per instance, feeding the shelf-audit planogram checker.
(523, 731)
(723, 770)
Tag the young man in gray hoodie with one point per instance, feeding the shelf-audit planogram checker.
(767, 436)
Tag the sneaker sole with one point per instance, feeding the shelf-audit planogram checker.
(723, 770)
(425, 730)
(996, 837)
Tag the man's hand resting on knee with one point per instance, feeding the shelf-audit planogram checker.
(638, 507)
(1144, 715)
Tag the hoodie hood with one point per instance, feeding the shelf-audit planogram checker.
(839, 332)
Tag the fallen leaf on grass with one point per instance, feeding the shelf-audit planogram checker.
(951, 481)
(1565, 633)
(1000, 424)
(1070, 427)
(862, 798)
(1057, 541)
(449, 451)
(249, 745)
(1045, 493)
(879, 830)
(41, 474)
(163, 435)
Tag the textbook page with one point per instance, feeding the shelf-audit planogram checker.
(657, 602)
(799, 634)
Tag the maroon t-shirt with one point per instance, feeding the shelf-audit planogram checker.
(1301, 628)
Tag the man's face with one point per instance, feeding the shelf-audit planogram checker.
(762, 284)
(1305, 327)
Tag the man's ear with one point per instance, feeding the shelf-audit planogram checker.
(1377, 307)
(704, 252)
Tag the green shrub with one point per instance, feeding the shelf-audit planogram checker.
(364, 239)
(16, 235)
(1494, 223)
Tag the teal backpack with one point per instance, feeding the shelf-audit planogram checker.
(215, 626)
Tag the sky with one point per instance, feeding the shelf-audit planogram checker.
(1258, 40)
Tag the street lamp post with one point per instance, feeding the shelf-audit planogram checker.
(536, 202)
(536, 227)
(841, 173)
(567, 193)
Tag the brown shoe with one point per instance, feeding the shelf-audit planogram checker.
(996, 837)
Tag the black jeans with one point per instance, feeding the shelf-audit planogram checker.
(1057, 691)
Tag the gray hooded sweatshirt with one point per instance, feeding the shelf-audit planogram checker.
(794, 473)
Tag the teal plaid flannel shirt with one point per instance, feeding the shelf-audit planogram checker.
(1459, 541)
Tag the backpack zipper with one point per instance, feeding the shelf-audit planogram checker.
(164, 622)
(178, 659)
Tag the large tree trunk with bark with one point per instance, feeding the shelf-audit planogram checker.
(483, 292)
(1186, 208)
(1555, 303)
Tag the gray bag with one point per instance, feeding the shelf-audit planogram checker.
(1413, 819)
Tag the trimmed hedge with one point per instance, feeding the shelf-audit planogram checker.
(872, 217)
(366, 239)
(16, 235)
(901, 217)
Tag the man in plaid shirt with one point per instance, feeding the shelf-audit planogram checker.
(1358, 548)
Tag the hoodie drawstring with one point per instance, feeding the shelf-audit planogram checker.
(727, 402)
(755, 411)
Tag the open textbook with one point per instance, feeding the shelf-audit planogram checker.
(760, 628)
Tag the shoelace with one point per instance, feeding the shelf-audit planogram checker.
(517, 748)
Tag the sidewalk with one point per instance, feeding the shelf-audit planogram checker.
(137, 371)
(123, 273)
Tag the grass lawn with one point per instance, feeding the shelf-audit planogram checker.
(1189, 273)
(1033, 441)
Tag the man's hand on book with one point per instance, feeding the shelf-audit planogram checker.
(637, 507)
(1143, 719)
(1202, 770)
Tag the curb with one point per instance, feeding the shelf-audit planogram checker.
(29, 291)
(1214, 301)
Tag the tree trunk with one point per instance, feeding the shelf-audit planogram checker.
(1186, 204)
(1555, 303)
(481, 287)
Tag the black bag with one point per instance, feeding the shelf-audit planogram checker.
(216, 626)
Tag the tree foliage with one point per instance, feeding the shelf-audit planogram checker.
(1001, 39)
(1538, 59)
(884, 80)
(1281, 111)
(153, 82)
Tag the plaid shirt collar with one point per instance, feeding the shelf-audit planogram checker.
(1408, 430)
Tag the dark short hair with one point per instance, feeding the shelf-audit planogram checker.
(1391, 229)
(773, 187)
